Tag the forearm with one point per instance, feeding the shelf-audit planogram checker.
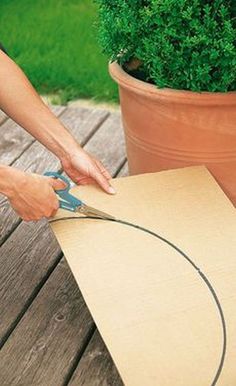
(21, 102)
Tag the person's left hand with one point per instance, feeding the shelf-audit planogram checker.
(84, 169)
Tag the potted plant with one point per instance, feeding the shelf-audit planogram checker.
(175, 64)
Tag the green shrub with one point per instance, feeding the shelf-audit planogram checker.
(182, 44)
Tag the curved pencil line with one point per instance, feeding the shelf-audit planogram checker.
(202, 275)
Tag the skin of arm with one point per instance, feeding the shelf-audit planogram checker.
(20, 101)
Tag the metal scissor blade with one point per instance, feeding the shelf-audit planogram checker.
(89, 211)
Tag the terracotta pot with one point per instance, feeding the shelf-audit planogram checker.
(167, 129)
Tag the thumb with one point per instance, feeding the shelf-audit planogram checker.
(57, 184)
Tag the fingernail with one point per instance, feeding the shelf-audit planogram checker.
(111, 190)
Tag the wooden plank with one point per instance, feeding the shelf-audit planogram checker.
(30, 285)
(8, 219)
(3, 117)
(15, 140)
(57, 109)
(25, 258)
(96, 367)
(108, 144)
(83, 122)
(55, 328)
(37, 159)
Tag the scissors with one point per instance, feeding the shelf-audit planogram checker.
(72, 203)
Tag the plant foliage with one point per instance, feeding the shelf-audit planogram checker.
(184, 44)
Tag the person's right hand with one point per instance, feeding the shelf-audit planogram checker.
(32, 196)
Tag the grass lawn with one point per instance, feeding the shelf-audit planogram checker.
(54, 41)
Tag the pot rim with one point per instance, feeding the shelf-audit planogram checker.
(179, 96)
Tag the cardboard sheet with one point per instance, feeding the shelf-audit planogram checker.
(167, 313)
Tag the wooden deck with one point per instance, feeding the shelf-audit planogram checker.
(47, 335)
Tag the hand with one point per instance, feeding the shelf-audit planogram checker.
(32, 196)
(84, 169)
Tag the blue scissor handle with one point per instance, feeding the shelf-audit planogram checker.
(68, 201)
